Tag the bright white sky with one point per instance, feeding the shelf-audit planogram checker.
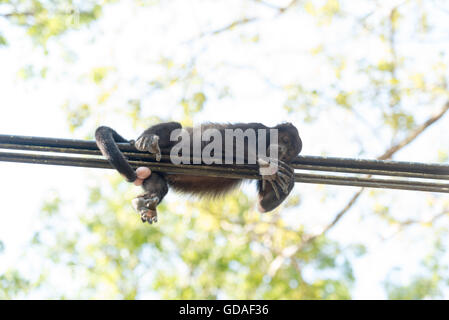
(132, 39)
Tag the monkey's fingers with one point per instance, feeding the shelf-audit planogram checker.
(275, 189)
(266, 178)
(266, 169)
(279, 177)
(285, 168)
(149, 216)
(284, 182)
(150, 143)
(286, 175)
(263, 167)
(140, 143)
(273, 184)
(263, 162)
(154, 220)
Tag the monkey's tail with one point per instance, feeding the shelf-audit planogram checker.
(106, 141)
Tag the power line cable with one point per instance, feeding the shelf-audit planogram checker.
(90, 158)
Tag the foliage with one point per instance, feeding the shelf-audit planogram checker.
(45, 19)
(209, 249)
(198, 251)
(428, 284)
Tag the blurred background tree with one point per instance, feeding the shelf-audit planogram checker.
(366, 79)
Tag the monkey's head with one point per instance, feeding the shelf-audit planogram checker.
(289, 140)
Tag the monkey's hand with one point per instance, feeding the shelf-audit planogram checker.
(150, 143)
(146, 205)
(278, 174)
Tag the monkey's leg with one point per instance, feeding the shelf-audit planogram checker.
(146, 204)
(276, 184)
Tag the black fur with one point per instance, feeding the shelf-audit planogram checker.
(289, 143)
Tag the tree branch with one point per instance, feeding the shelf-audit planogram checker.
(243, 21)
(409, 222)
(387, 155)
(414, 134)
(16, 14)
(292, 250)
(234, 24)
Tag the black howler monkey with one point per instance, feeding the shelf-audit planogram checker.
(272, 189)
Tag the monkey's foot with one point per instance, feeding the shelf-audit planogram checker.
(278, 174)
(146, 205)
(150, 143)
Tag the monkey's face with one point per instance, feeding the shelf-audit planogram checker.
(290, 143)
